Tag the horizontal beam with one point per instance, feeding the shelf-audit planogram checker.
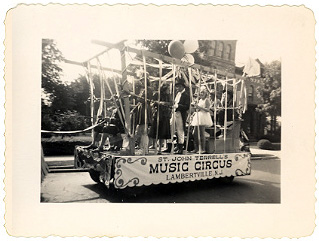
(92, 66)
(167, 59)
(118, 45)
(111, 46)
(181, 63)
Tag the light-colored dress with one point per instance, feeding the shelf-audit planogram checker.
(201, 117)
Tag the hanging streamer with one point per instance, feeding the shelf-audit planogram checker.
(117, 89)
(158, 105)
(100, 110)
(73, 132)
(145, 147)
(115, 103)
(90, 80)
(245, 97)
(198, 129)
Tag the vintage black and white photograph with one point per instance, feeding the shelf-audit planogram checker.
(160, 121)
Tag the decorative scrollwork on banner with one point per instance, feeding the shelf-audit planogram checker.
(239, 172)
(129, 160)
(237, 157)
(143, 160)
(119, 182)
(248, 169)
(118, 162)
(243, 155)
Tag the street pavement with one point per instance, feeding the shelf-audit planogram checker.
(262, 186)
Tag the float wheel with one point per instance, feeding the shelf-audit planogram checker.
(95, 175)
(227, 180)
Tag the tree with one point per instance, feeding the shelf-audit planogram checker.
(270, 93)
(51, 71)
(156, 46)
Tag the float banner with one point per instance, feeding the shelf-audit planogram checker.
(133, 171)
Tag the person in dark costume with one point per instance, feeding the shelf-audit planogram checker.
(161, 130)
(181, 107)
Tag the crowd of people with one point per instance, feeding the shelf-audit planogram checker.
(161, 119)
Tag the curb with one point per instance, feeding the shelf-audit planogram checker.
(264, 158)
(65, 170)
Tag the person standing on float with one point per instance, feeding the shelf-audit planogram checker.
(201, 120)
(162, 129)
(141, 134)
(181, 107)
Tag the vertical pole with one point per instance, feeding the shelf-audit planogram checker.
(145, 144)
(173, 111)
(89, 77)
(126, 101)
(234, 99)
(158, 105)
(215, 109)
(197, 114)
(101, 106)
(133, 114)
(225, 116)
(190, 105)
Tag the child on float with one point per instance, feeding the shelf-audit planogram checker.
(201, 120)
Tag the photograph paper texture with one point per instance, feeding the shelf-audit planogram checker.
(288, 36)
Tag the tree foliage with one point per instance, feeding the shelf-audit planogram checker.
(156, 46)
(51, 56)
(270, 93)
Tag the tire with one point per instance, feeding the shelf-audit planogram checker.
(95, 175)
(227, 180)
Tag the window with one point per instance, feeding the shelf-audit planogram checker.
(251, 93)
(212, 50)
(228, 52)
(220, 50)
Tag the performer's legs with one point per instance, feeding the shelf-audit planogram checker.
(144, 141)
(180, 132)
(196, 144)
(203, 139)
(125, 141)
(179, 128)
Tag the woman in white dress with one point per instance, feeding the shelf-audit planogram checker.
(201, 120)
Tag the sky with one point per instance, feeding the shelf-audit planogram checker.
(82, 49)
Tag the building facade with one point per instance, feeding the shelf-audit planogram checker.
(221, 54)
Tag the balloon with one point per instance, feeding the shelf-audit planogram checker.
(176, 49)
(190, 46)
(189, 59)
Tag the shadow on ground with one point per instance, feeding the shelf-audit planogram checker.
(208, 191)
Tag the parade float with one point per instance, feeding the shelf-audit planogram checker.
(225, 155)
